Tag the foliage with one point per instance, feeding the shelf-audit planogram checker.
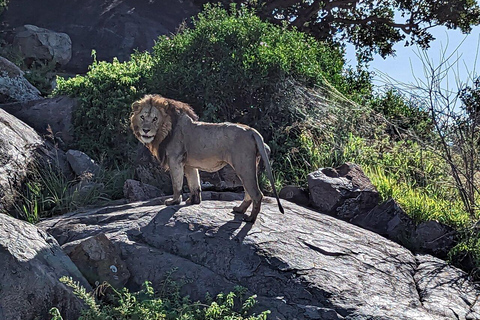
(48, 192)
(146, 305)
(372, 26)
(3, 5)
(101, 124)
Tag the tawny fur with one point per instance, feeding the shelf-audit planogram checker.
(183, 145)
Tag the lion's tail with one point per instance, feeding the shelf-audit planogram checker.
(263, 154)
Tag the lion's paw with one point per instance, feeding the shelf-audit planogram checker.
(171, 202)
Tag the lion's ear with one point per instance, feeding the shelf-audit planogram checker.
(135, 106)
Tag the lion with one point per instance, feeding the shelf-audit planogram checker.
(183, 145)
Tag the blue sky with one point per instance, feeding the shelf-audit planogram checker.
(406, 66)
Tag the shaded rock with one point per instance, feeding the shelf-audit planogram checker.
(13, 86)
(40, 44)
(84, 190)
(433, 237)
(302, 265)
(147, 170)
(389, 220)
(295, 194)
(137, 191)
(51, 116)
(223, 180)
(344, 191)
(18, 144)
(31, 264)
(113, 28)
(99, 260)
(82, 164)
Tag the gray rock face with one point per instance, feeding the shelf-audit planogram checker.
(295, 194)
(31, 264)
(40, 44)
(81, 163)
(302, 265)
(344, 191)
(113, 28)
(18, 143)
(13, 86)
(51, 116)
(136, 191)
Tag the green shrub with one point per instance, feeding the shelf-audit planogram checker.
(146, 305)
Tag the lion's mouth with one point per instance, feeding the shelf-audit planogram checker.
(145, 137)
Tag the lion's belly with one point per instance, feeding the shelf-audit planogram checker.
(209, 165)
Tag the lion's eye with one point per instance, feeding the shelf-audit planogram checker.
(142, 117)
(155, 119)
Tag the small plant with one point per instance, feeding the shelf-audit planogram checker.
(146, 305)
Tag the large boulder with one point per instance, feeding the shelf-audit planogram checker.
(31, 264)
(302, 264)
(40, 44)
(51, 116)
(344, 191)
(18, 145)
(13, 85)
(113, 28)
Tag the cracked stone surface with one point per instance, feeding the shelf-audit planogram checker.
(302, 265)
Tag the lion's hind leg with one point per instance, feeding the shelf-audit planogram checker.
(242, 208)
(193, 179)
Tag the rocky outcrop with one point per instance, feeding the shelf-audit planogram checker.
(51, 116)
(302, 265)
(18, 143)
(13, 85)
(40, 44)
(82, 164)
(344, 191)
(31, 264)
(134, 190)
(113, 28)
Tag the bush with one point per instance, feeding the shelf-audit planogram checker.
(147, 305)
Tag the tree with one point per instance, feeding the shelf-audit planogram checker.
(372, 26)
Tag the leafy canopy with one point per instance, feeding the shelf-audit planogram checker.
(373, 26)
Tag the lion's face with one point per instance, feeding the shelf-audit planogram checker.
(146, 123)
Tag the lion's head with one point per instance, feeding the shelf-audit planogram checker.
(154, 117)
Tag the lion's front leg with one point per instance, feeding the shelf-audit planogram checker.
(176, 173)
(193, 179)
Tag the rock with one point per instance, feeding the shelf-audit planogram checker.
(13, 86)
(112, 28)
(389, 220)
(82, 164)
(137, 191)
(344, 191)
(295, 194)
(51, 116)
(18, 145)
(433, 237)
(148, 171)
(39, 44)
(31, 264)
(302, 264)
(223, 180)
(85, 190)
(98, 259)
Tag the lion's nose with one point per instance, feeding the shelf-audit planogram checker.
(146, 130)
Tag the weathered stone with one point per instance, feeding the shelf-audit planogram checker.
(344, 191)
(39, 44)
(112, 28)
(434, 238)
(302, 265)
(295, 194)
(84, 190)
(137, 191)
(31, 264)
(389, 220)
(82, 164)
(223, 180)
(13, 86)
(18, 143)
(99, 260)
(148, 171)
(52, 117)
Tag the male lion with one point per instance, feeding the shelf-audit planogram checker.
(183, 145)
